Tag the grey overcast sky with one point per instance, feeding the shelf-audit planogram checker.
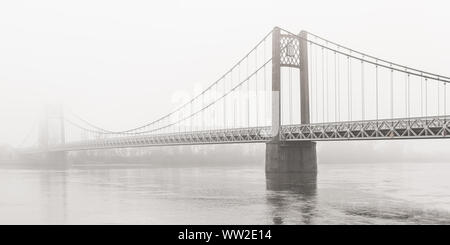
(122, 63)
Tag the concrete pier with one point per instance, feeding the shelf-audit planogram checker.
(56, 158)
(291, 157)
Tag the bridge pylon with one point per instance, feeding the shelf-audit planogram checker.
(290, 52)
(52, 132)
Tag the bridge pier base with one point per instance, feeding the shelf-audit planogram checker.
(56, 159)
(291, 157)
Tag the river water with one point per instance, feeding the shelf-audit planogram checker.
(382, 193)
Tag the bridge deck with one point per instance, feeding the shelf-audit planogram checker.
(388, 129)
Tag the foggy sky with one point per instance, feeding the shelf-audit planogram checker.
(120, 64)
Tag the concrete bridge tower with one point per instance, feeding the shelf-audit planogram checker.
(281, 156)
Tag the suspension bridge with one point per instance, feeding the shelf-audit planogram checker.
(289, 91)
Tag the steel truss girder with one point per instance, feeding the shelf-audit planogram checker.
(240, 135)
(403, 128)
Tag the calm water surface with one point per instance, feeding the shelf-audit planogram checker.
(383, 193)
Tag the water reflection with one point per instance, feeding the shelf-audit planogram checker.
(304, 184)
(283, 188)
(54, 192)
